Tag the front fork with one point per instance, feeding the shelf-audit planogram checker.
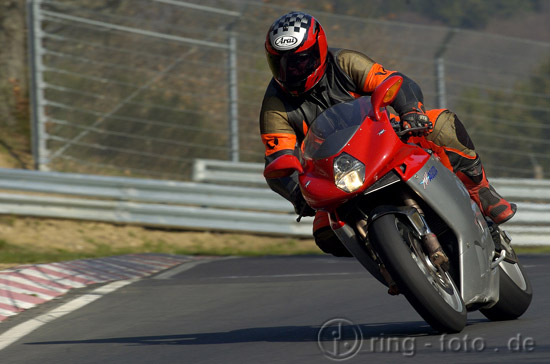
(415, 215)
(368, 257)
(429, 239)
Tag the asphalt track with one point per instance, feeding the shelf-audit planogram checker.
(271, 310)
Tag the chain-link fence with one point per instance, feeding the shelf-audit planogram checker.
(144, 87)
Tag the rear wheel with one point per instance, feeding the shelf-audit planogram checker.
(515, 293)
(430, 290)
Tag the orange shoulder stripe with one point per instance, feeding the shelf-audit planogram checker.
(275, 142)
(376, 75)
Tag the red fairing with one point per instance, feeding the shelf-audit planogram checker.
(378, 147)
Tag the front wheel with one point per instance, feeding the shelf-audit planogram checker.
(430, 290)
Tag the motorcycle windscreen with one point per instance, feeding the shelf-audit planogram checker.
(332, 130)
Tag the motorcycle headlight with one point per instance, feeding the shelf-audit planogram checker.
(349, 173)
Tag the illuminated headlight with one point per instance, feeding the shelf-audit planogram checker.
(349, 173)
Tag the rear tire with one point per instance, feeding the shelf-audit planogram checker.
(431, 292)
(515, 294)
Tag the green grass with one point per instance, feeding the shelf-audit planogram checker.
(14, 254)
(532, 249)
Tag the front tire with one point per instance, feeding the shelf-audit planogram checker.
(431, 291)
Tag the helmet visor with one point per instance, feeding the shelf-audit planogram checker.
(293, 69)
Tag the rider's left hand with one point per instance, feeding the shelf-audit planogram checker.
(414, 120)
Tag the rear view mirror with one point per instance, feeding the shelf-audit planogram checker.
(384, 94)
(283, 166)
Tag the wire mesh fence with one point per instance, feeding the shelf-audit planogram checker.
(144, 87)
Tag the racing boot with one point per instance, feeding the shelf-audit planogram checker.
(489, 201)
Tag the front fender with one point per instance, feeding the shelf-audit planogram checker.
(410, 213)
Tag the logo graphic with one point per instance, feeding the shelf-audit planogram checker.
(340, 339)
(286, 41)
(428, 177)
(271, 144)
(383, 72)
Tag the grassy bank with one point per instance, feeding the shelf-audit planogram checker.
(33, 240)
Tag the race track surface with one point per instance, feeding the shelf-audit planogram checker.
(271, 310)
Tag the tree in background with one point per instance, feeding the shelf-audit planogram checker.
(471, 14)
(14, 100)
(505, 122)
(13, 69)
(467, 14)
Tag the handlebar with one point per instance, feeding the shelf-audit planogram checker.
(403, 132)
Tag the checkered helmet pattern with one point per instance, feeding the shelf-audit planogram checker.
(289, 30)
(296, 50)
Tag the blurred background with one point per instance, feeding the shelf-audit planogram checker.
(142, 88)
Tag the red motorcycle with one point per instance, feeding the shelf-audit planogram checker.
(405, 216)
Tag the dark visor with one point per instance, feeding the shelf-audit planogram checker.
(292, 69)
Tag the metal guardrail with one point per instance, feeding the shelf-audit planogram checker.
(142, 190)
(216, 171)
(530, 226)
(211, 206)
(160, 203)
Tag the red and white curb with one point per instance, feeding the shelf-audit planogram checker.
(26, 286)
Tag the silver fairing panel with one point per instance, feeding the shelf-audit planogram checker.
(447, 196)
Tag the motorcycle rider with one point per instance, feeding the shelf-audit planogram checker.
(309, 77)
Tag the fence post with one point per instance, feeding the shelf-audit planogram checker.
(38, 115)
(440, 85)
(233, 98)
(440, 69)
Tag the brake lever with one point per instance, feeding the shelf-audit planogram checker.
(404, 132)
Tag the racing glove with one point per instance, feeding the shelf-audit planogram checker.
(418, 122)
(301, 208)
